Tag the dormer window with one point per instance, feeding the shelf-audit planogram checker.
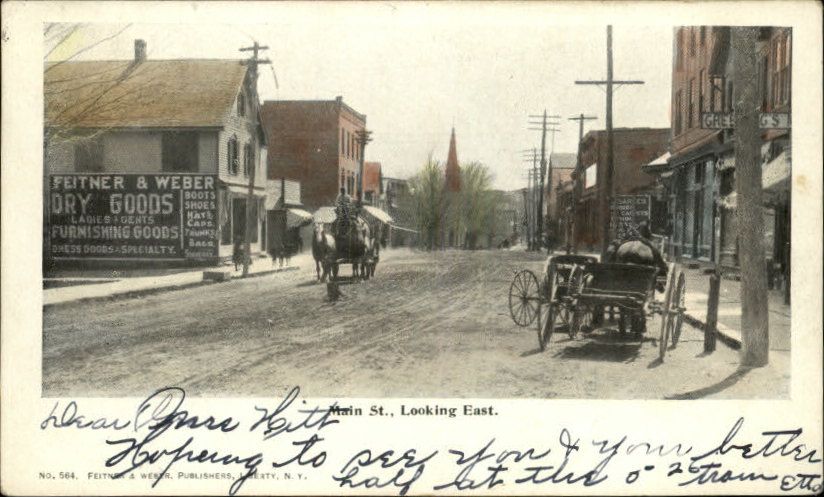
(241, 104)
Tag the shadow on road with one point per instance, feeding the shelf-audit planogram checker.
(601, 351)
(727, 382)
(534, 351)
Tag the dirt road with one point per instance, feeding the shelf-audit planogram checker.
(434, 325)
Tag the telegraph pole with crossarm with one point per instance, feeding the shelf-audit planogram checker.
(540, 213)
(578, 168)
(251, 204)
(606, 196)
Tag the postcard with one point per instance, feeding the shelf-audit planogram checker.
(411, 248)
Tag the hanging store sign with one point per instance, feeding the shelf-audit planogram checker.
(726, 120)
(133, 216)
(627, 213)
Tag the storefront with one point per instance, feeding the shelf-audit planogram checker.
(694, 186)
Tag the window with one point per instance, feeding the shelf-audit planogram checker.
(342, 141)
(679, 49)
(729, 97)
(713, 94)
(703, 35)
(88, 155)
(763, 84)
(180, 151)
(701, 82)
(248, 159)
(231, 155)
(691, 108)
(699, 174)
(781, 70)
(678, 113)
(241, 104)
(346, 146)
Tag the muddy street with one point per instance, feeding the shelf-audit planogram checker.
(427, 325)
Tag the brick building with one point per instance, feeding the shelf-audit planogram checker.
(633, 147)
(699, 175)
(162, 152)
(563, 164)
(314, 142)
(372, 182)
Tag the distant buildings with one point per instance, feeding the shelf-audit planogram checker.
(315, 143)
(372, 182)
(563, 165)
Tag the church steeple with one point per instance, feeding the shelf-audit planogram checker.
(453, 170)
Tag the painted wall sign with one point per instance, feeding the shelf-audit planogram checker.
(627, 213)
(133, 216)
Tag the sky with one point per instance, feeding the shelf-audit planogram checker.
(416, 73)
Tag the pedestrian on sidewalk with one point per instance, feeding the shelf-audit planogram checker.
(239, 254)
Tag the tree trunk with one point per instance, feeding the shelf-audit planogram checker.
(754, 305)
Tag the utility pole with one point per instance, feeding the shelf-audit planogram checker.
(606, 196)
(549, 180)
(251, 203)
(578, 169)
(540, 212)
(533, 175)
(754, 306)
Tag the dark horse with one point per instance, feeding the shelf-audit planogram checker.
(636, 250)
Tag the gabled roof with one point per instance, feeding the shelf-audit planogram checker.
(151, 93)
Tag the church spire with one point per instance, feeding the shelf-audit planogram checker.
(453, 170)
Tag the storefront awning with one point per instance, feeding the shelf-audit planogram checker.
(776, 173)
(378, 214)
(324, 215)
(297, 217)
(658, 166)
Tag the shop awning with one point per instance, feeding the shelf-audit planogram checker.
(324, 215)
(777, 172)
(378, 214)
(658, 165)
(297, 217)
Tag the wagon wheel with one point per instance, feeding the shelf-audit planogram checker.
(524, 299)
(665, 322)
(546, 328)
(676, 314)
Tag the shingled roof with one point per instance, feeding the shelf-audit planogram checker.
(150, 93)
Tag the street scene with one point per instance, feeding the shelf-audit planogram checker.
(222, 218)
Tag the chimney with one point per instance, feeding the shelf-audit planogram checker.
(139, 51)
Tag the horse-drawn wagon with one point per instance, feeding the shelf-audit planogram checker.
(575, 291)
(350, 239)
